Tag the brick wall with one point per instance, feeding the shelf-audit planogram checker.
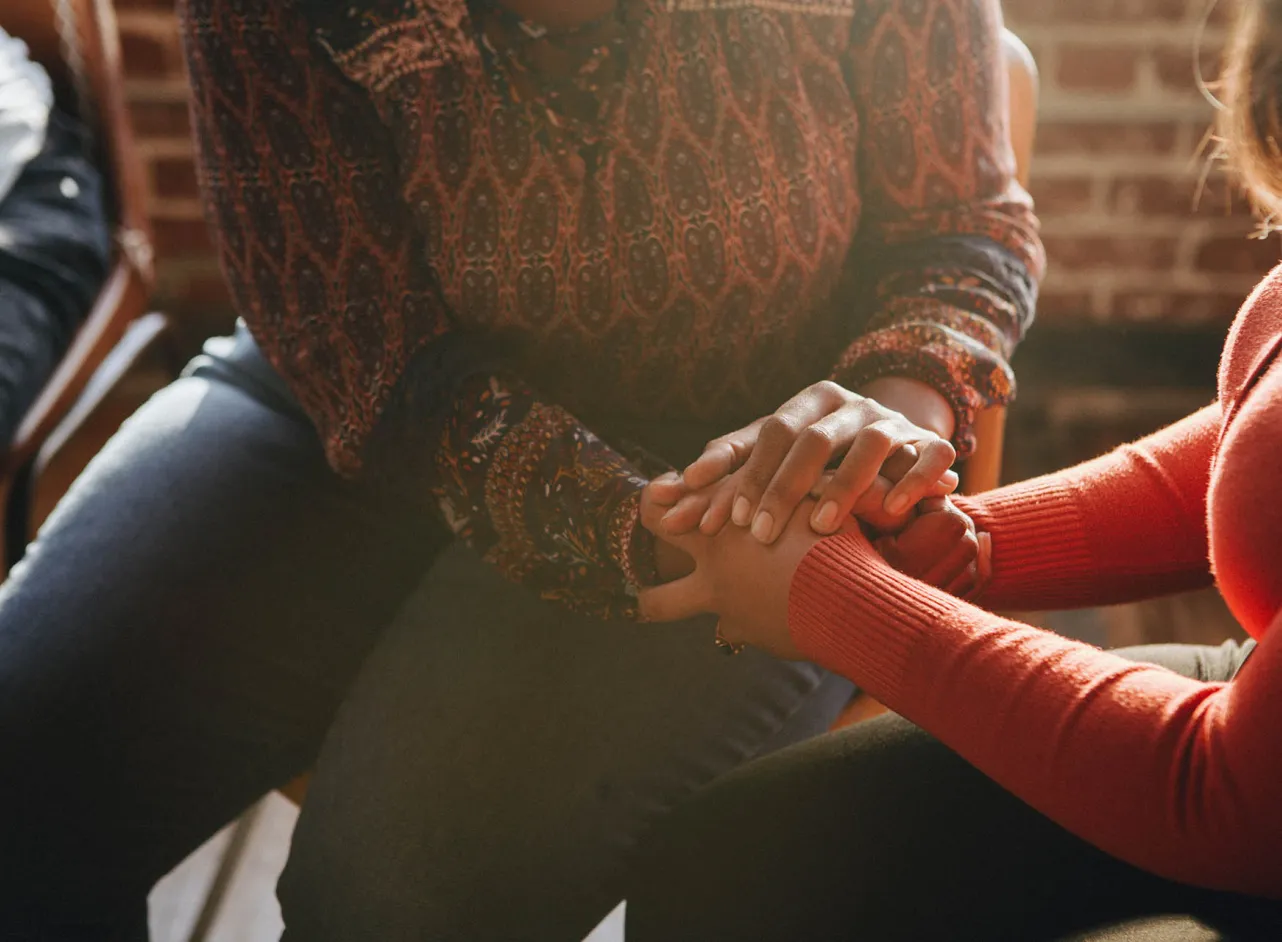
(189, 283)
(1117, 171)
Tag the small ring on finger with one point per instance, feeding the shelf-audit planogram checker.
(725, 645)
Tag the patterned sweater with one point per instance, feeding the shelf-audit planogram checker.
(692, 209)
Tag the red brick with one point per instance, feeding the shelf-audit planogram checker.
(174, 178)
(1063, 305)
(1183, 306)
(1062, 195)
(1245, 255)
(1177, 66)
(1143, 195)
(1096, 68)
(1151, 196)
(208, 290)
(1097, 138)
(160, 118)
(1076, 253)
(181, 238)
(146, 55)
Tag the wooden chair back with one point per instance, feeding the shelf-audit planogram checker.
(78, 44)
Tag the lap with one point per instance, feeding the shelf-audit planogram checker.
(498, 758)
(881, 833)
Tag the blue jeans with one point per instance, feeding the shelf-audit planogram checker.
(211, 611)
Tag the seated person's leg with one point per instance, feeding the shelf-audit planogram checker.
(175, 644)
(498, 759)
(53, 259)
(880, 833)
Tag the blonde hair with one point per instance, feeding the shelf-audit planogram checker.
(1250, 121)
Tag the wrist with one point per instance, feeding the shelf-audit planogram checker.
(920, 403)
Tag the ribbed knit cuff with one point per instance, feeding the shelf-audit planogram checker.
(851, 612)
(1041, 555)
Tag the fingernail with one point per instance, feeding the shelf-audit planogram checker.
(951, 478)
(763, 527)
(826, 517)
(897, 504)
(706, 517)
(742, 511)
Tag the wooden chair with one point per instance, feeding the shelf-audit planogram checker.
(77, 43)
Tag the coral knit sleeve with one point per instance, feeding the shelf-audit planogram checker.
(1128, 525)
(1174, 775)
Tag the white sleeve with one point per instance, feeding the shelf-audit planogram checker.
(26, 98)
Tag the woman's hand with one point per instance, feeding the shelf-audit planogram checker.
(941, 547)
(759, 474)
(736, 577)
(747, 583)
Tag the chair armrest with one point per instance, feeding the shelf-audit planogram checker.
(983, 469)
(123, 296)
(141, 336)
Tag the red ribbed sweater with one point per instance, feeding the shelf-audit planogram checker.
(1179, 777)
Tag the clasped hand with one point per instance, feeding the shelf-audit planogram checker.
(827, 461)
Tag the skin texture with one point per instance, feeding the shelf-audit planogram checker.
(746, 582)
(757, 476)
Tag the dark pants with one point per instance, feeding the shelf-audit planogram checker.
(53, 259)
(880, 833)
(211, 612)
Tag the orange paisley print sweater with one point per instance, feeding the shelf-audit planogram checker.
(465, 241)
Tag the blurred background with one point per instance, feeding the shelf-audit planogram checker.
(1151, 251)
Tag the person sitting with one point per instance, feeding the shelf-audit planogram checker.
(54, 238)
(499, 263)
(1032, 786)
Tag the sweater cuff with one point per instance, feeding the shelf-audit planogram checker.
(1041, 555)
(851, 612)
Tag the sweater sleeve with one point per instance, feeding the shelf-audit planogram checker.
(318, 246)
(1173, 775)
(1128, 525)
(948, 254)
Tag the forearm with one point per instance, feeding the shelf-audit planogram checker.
(1127, 525)
(1173, 775)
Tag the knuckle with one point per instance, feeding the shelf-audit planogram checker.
(829, 390)
(817, 438)
(941, 450)
(779, 429)
(875, 436)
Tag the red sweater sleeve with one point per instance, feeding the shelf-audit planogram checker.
(1176, 776)
(1130, 524)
